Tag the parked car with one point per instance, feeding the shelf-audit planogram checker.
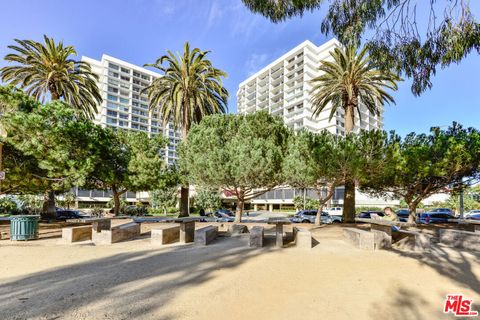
(222, 217)
(336, 218)
(442, 210)
(335, 211)
(472, 212)
(308, 216)
(64, 214)
(403, 214)
(368, 214)
(435, 217)
(225, 211)
(475, 216)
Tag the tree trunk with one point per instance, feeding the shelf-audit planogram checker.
(412, 207)
(349, 202)
(323, 201)
(48, 210)
(184, 205)
(318, 218)
(239, 211)
(349, 118)
(116, 201)
(184, 190)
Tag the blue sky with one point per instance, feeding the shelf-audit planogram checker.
(139, 31)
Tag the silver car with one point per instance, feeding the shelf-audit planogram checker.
(308, 216)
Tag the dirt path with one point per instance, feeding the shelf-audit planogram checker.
(227, 280)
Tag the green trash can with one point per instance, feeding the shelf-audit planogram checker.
(24, 227)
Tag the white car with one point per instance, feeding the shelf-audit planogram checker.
(472, 212)
(335, 211)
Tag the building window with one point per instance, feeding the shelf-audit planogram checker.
(124, 78)
(112, 89)
(112, 66)
(112, 113)
(112, 98)
(125, 70)
(112, 105)
(111, 121)
(123, 100)
(123, 116)
(113, 74)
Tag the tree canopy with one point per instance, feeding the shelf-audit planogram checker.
(236, 153)
(129, 161)
(402, 35)
(420, 165)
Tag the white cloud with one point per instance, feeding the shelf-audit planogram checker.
(255, 62)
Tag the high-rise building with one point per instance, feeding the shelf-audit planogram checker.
(124, 105)
(284, 88)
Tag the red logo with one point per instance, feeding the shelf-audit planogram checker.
(459, 306)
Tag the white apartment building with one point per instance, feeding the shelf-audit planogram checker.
(124, 106)
(284, 88)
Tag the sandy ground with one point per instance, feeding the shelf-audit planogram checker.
(45, 279)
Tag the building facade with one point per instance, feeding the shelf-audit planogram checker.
(124, 106)
(284, 88)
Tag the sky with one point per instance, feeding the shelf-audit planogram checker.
(140, 31)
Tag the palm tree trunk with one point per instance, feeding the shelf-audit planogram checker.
(349, 117)
(184, 190)
(349, 201)
(349, 194)
(48, 210)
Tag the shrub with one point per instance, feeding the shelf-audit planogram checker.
(8, 206)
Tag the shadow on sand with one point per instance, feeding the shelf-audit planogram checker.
(150, 278)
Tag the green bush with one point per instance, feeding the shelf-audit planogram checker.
(8, 206)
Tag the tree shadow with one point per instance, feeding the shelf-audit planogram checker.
(449, 262)
(150, 278)
(402, 304)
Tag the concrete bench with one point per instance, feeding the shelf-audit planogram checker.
(302, 238)
(165, 234)
(460, 239)
(415, 240)
(126, 231)
(360, 238)
(237, 229)
(256, 237)
(205, 235)
(75, 234)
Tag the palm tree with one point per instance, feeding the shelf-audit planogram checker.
(349, 82)
(46, 70)
(189, 89)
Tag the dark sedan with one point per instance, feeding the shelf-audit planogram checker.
(368, 214)
(64, 214)
(403, 214)
(435, 217)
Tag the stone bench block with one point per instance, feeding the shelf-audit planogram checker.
(359, 238)
(122, 232)
(236, 229)
(75, 234)
(165, 235)
(415, 240)
(102, 224)
(302, 238)
(256, 237)
(460, 239)
(206, 235)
